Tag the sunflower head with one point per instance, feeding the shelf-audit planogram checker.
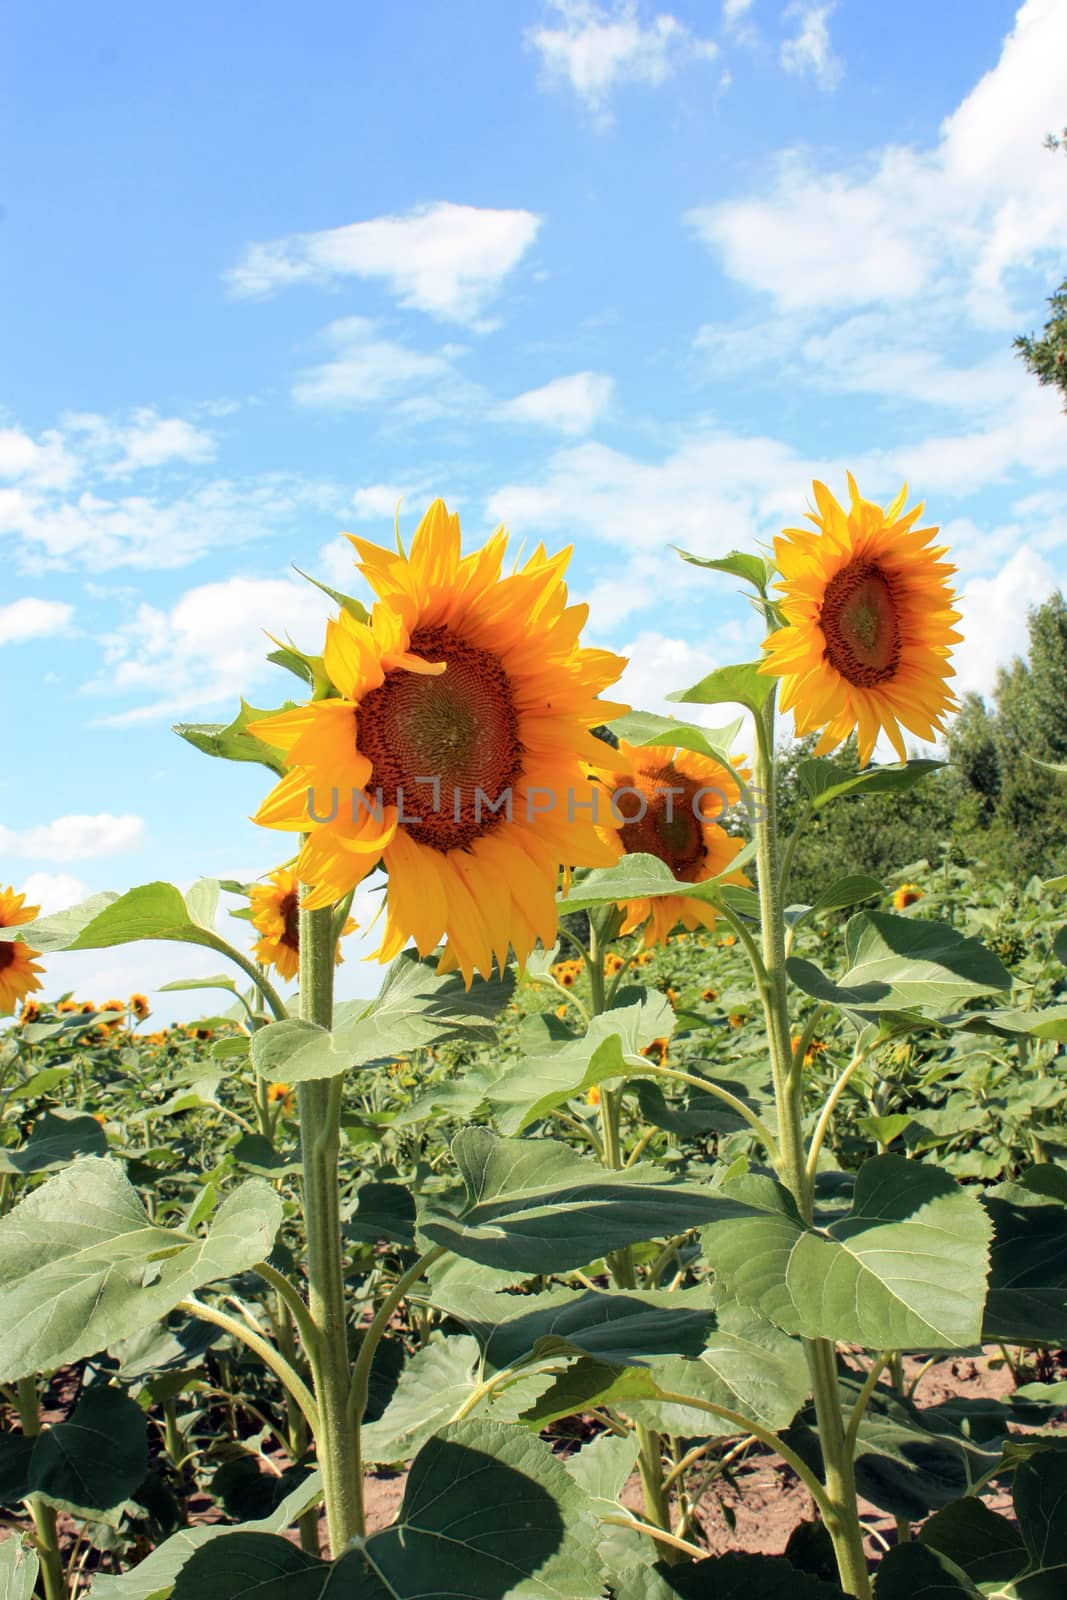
(666, 802)
(592, 1095)
(657, 1051)
(20, 974)
(907, 895)
(276, 1092)
(868, 624)
(139, 1007)
(31, 1011)
(455, 748)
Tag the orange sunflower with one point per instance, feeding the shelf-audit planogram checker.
(869, 614)
(19, 972)
(276, 918)
(455, 749)
(667, 801)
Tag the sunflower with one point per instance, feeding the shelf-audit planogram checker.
(869, 615)
(276, 917)
(906, 895)
(19, 972)
(667, 801)
(139, 1006)
(455, 748)
(31, 1011)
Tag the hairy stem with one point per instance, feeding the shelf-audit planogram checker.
(319, 1104)
(838, 1503)
(44, 1516)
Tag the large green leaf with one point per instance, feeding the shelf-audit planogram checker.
(233, 741)
(55, 1139)
(1028, 1270)
(439, 1378)
(915, 1572)
(909, 1462)
(747, 1366)
(557, 1065)
(730, 1577)
(620, 1328)
(154, 1577)
(744, 684)
(643, 877)
(415, 1008)
(19, 1567)
(904, 1269)
(151, 911)
(641, 728)
(488, 1512)
(91, 1464)
(904, 964)
(1027, 1564)
(535, 1205)
(822, 781)
(81, 1265)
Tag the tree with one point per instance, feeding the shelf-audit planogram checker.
(1046, 357)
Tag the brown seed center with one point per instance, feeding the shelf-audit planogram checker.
(860, 620)
(7, 954)
(460, 728)
(290, 910)
(669, 827)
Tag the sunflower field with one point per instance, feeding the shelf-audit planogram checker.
(686, 1215)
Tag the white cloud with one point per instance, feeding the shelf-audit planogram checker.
(53, 891)
(146, 440)
(378, 501)
(951, 222)
(596, 48)
(809, 50)
(645, 506)
(994, 616)
(365, 369)
(31, 618)
(43, 463)
(734, 11)
(570, 405)
(446, 259)
(76, 837)
(210, 647)
(104, 531)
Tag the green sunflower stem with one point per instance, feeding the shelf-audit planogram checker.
(841, 1508)
(319, 1102)
(46, 1536)
(621, 1264)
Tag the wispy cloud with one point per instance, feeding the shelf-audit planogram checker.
(144, 440)
(365, 368)
(952, 222)
(74, 838)
(446, 259)
(572, 404)
(208, 648)
(30, 618)
(809, 52)
(597, 48)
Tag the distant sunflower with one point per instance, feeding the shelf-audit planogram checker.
(869, 615)
(467, 704)
(139, 1006)
(276, 917)
(906, 895)
(31, 1011)
(19, 972)
(668, 799)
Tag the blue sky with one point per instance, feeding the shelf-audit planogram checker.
(619, 275)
